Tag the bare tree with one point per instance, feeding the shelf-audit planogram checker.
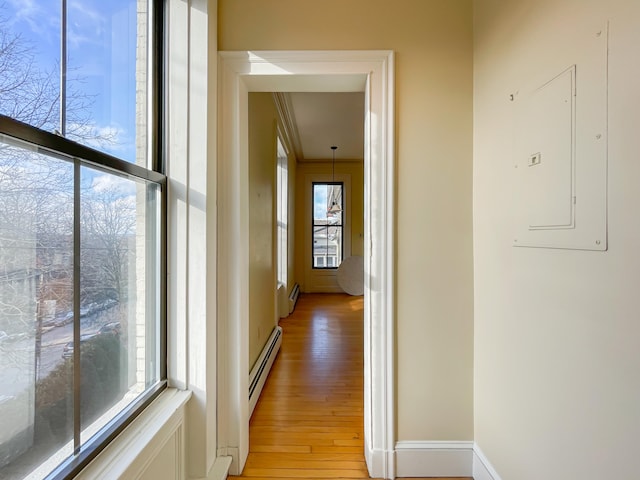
(36, 190)
(108, 225)
(31, 94)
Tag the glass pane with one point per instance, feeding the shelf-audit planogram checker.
(327, 225)
(107, 74)
(327, 204)
(36, 303)
(334, 250)
(30, 63)
(119, 294)
(334, 204)
(282, 187)
(320, 196)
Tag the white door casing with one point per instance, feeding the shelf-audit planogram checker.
(306, 71)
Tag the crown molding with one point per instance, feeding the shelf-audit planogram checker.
(287, 124)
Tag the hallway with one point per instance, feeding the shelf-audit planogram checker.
(308, 422)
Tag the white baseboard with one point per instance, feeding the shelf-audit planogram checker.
(380, 464)
(434, 459)
(482, 468)
(220, 469)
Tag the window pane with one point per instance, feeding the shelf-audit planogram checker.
(282, 186)
(103, 81)
(106, 67)
(320, 196)
(119, 317)
(334, 204)
(119, 294)
(335, 245)
(327, 225)
(30, 63)
(36, 309)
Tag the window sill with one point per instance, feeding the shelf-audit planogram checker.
(130, 453)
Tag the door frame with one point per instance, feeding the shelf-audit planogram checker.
(367, 71)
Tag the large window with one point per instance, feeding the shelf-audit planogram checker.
(82, 223)
(327, 226)
(282, 208)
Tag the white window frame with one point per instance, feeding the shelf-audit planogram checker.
(282, 213)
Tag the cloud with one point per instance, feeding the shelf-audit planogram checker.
(86, 25)
(32, 13)
(107, 183)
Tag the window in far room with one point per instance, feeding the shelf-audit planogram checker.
(327, 225)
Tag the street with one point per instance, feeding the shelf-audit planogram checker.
(18, 357)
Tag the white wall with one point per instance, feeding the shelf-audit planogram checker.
(557, 384)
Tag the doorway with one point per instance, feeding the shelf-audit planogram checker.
(372, 73)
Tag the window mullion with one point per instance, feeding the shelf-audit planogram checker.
(63, 68)
(76, 307)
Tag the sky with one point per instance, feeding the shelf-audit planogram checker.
(320, 202)
(101, 39)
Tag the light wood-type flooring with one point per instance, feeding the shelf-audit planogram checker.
(308, 422)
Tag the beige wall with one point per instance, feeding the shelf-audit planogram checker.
(433, 44)
(355, 212)
(262, 255)
(557, 336)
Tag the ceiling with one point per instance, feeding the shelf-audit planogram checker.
(321, 120)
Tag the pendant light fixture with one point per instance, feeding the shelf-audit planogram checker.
(335, 207)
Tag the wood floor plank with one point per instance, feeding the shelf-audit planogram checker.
(308, 423)
(303, 473)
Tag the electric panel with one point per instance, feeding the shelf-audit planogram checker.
(559, 186)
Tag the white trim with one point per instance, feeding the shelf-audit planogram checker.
(434, 459)
(482, 468)
(287, 126)
(129, 455)
(379, 460)
(313, 71)
(191, 222)
(220, 469)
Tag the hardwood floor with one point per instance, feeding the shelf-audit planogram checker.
(308, 422)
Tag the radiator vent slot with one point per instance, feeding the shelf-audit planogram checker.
(293, 298)
(262, 367)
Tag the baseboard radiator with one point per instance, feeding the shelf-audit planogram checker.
(293, 297)
(260, 371)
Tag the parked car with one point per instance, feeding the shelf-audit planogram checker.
(50, 322)
(111, 328)
(67, 351)
(15, 337)
(64, 319)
